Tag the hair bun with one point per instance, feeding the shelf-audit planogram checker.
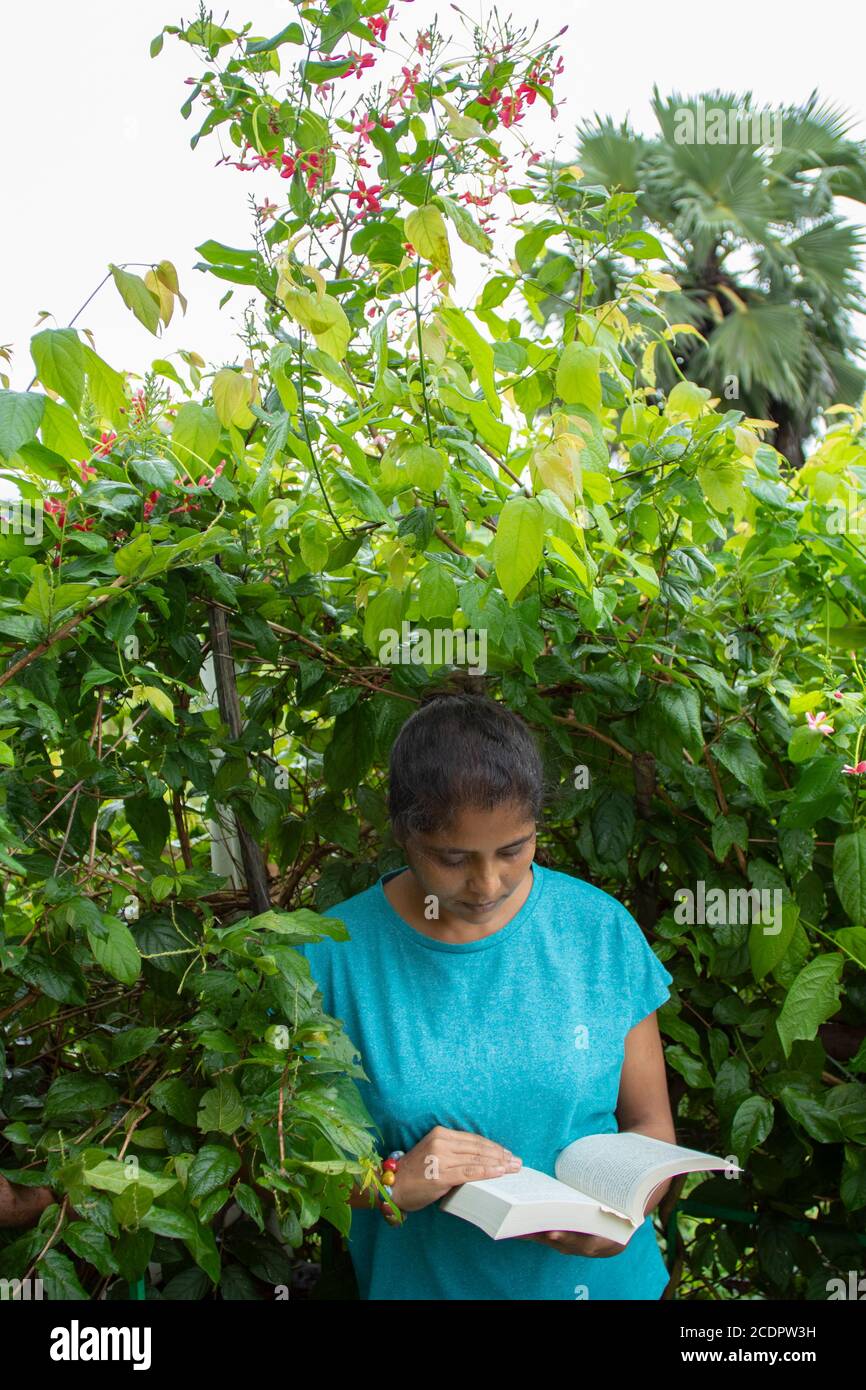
(455, 684)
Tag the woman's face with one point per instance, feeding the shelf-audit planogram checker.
(475, 865)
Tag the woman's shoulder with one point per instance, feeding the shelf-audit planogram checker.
(574, 890)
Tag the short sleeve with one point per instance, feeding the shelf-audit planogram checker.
(647, 981)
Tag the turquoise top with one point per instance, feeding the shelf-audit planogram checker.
(518, 1037)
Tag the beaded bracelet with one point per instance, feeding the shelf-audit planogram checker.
(389, 1176)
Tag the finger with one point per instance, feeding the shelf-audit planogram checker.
(464, 1141)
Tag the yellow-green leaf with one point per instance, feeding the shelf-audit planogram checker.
(425, 229)
(518, 544)
(137, 297)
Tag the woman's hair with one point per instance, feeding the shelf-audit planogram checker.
(461, 749)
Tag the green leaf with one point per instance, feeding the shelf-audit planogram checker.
(117, 953)
(174, 1097)
(106, 387)
(742, 759)
(221, 1108)
(751, 1125)
(519, 544)
(77, 1096)
(465, 225)
(349, 754)
(170, 1222)
(293, 33)
(59, 363)
(132, 1043)
(362, 497)
(437, 592)
(59, 1280)
(578, 376)
(131, 1205)
(155, 472)
(849, 874)
(480, 353)
(211, 1168)
(110, 1175)
(137, 297)
(811, 1000)
(425, 229)
(20, 417)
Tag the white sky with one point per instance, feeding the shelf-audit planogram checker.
(100, 169)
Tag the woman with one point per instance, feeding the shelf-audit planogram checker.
(501, 1009)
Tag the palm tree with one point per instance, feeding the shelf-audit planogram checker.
(768, 269)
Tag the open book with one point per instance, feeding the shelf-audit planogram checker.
(601, 1187)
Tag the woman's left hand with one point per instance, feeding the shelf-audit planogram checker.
(576, 1243)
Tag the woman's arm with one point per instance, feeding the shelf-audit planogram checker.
(21, 1205)
(643, 1106)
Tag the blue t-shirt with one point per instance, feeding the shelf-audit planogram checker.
(517, 1037)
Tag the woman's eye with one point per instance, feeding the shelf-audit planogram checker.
(456, 863)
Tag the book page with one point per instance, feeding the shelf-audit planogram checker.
(611, 1167)
(527, 1186)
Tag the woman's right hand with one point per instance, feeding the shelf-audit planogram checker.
(446, 1158)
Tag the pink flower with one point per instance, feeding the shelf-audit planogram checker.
(856, 771)
(359, 62)
(817, 721)
(364, 127)
(837, 695)
(105, 444)
(511, 110)
(86, 472)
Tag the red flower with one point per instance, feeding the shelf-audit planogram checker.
(511, 110)
(359, 62)
(264, 161)
(378, 27)
(86, 471)
(491, 99)
(366, 198)
(411, 78)
(288, 167)
(139, 405)
(83, 525)
(105, 444)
